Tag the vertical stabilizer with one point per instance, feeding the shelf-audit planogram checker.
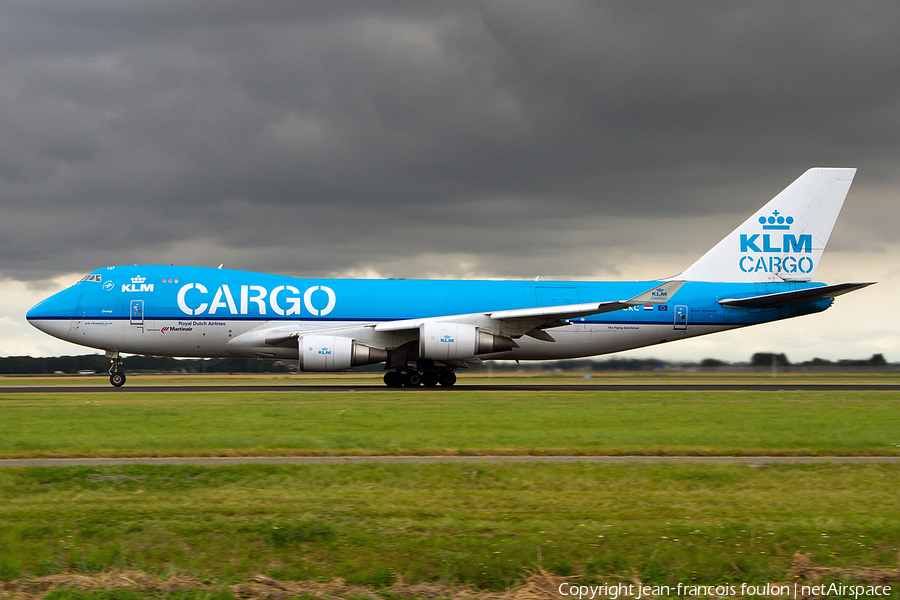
(784, 240)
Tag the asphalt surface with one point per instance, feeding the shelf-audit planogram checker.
(540, 387)
(340, 460)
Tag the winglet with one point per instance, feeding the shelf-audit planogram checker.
(658, 295)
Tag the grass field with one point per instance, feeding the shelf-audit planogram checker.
(483, 524)
(453, 422)
(487, 525)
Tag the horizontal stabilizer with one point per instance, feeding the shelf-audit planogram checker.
(794, 297)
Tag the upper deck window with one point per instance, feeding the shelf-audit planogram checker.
(92, 277)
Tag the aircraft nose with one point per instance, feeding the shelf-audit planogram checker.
(54, 314)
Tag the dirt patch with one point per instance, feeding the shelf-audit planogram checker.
(38, 587)
(803, 568)
(539, 586)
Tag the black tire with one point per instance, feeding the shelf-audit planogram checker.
(448, 378)
(430, 378)
(393, 379)
(412, 379)
(117, 378)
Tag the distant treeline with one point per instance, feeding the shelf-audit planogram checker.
(764, 359)
(758, 360)
(582, 364)
(26, 365)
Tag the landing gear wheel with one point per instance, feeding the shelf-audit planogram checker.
(412, 379)
(117, 378)
(393, 379)
(447, 378)
(430, 378)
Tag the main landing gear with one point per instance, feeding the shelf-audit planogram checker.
(413, 378)
(116, 376)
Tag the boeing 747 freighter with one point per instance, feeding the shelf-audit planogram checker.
(424, 330)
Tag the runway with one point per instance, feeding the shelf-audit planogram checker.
(540, 387)
(218, 461)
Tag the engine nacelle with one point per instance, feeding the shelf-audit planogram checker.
(458, 341)
(326, 353)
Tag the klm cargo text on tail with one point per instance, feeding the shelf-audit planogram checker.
(786, 248)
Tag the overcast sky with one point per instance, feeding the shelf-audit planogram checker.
(570, 140)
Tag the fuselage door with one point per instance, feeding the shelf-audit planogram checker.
(137, 312)
(681, 317)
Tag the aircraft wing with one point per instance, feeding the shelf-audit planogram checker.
(508, 324)
(794, 297)
(531, 321)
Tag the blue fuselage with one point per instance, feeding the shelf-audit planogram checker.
(195, 311)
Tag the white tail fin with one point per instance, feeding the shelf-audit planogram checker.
(785, 239)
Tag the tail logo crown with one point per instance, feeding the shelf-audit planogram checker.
(776, 221)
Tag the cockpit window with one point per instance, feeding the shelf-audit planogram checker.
(92, 277)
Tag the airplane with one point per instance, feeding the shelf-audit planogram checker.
(425, 330)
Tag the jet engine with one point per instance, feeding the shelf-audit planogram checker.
(458, 341)
(326, 353)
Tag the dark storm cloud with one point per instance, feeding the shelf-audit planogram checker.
(319, 138)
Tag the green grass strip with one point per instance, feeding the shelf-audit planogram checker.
(481, 524)
(450, 423)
